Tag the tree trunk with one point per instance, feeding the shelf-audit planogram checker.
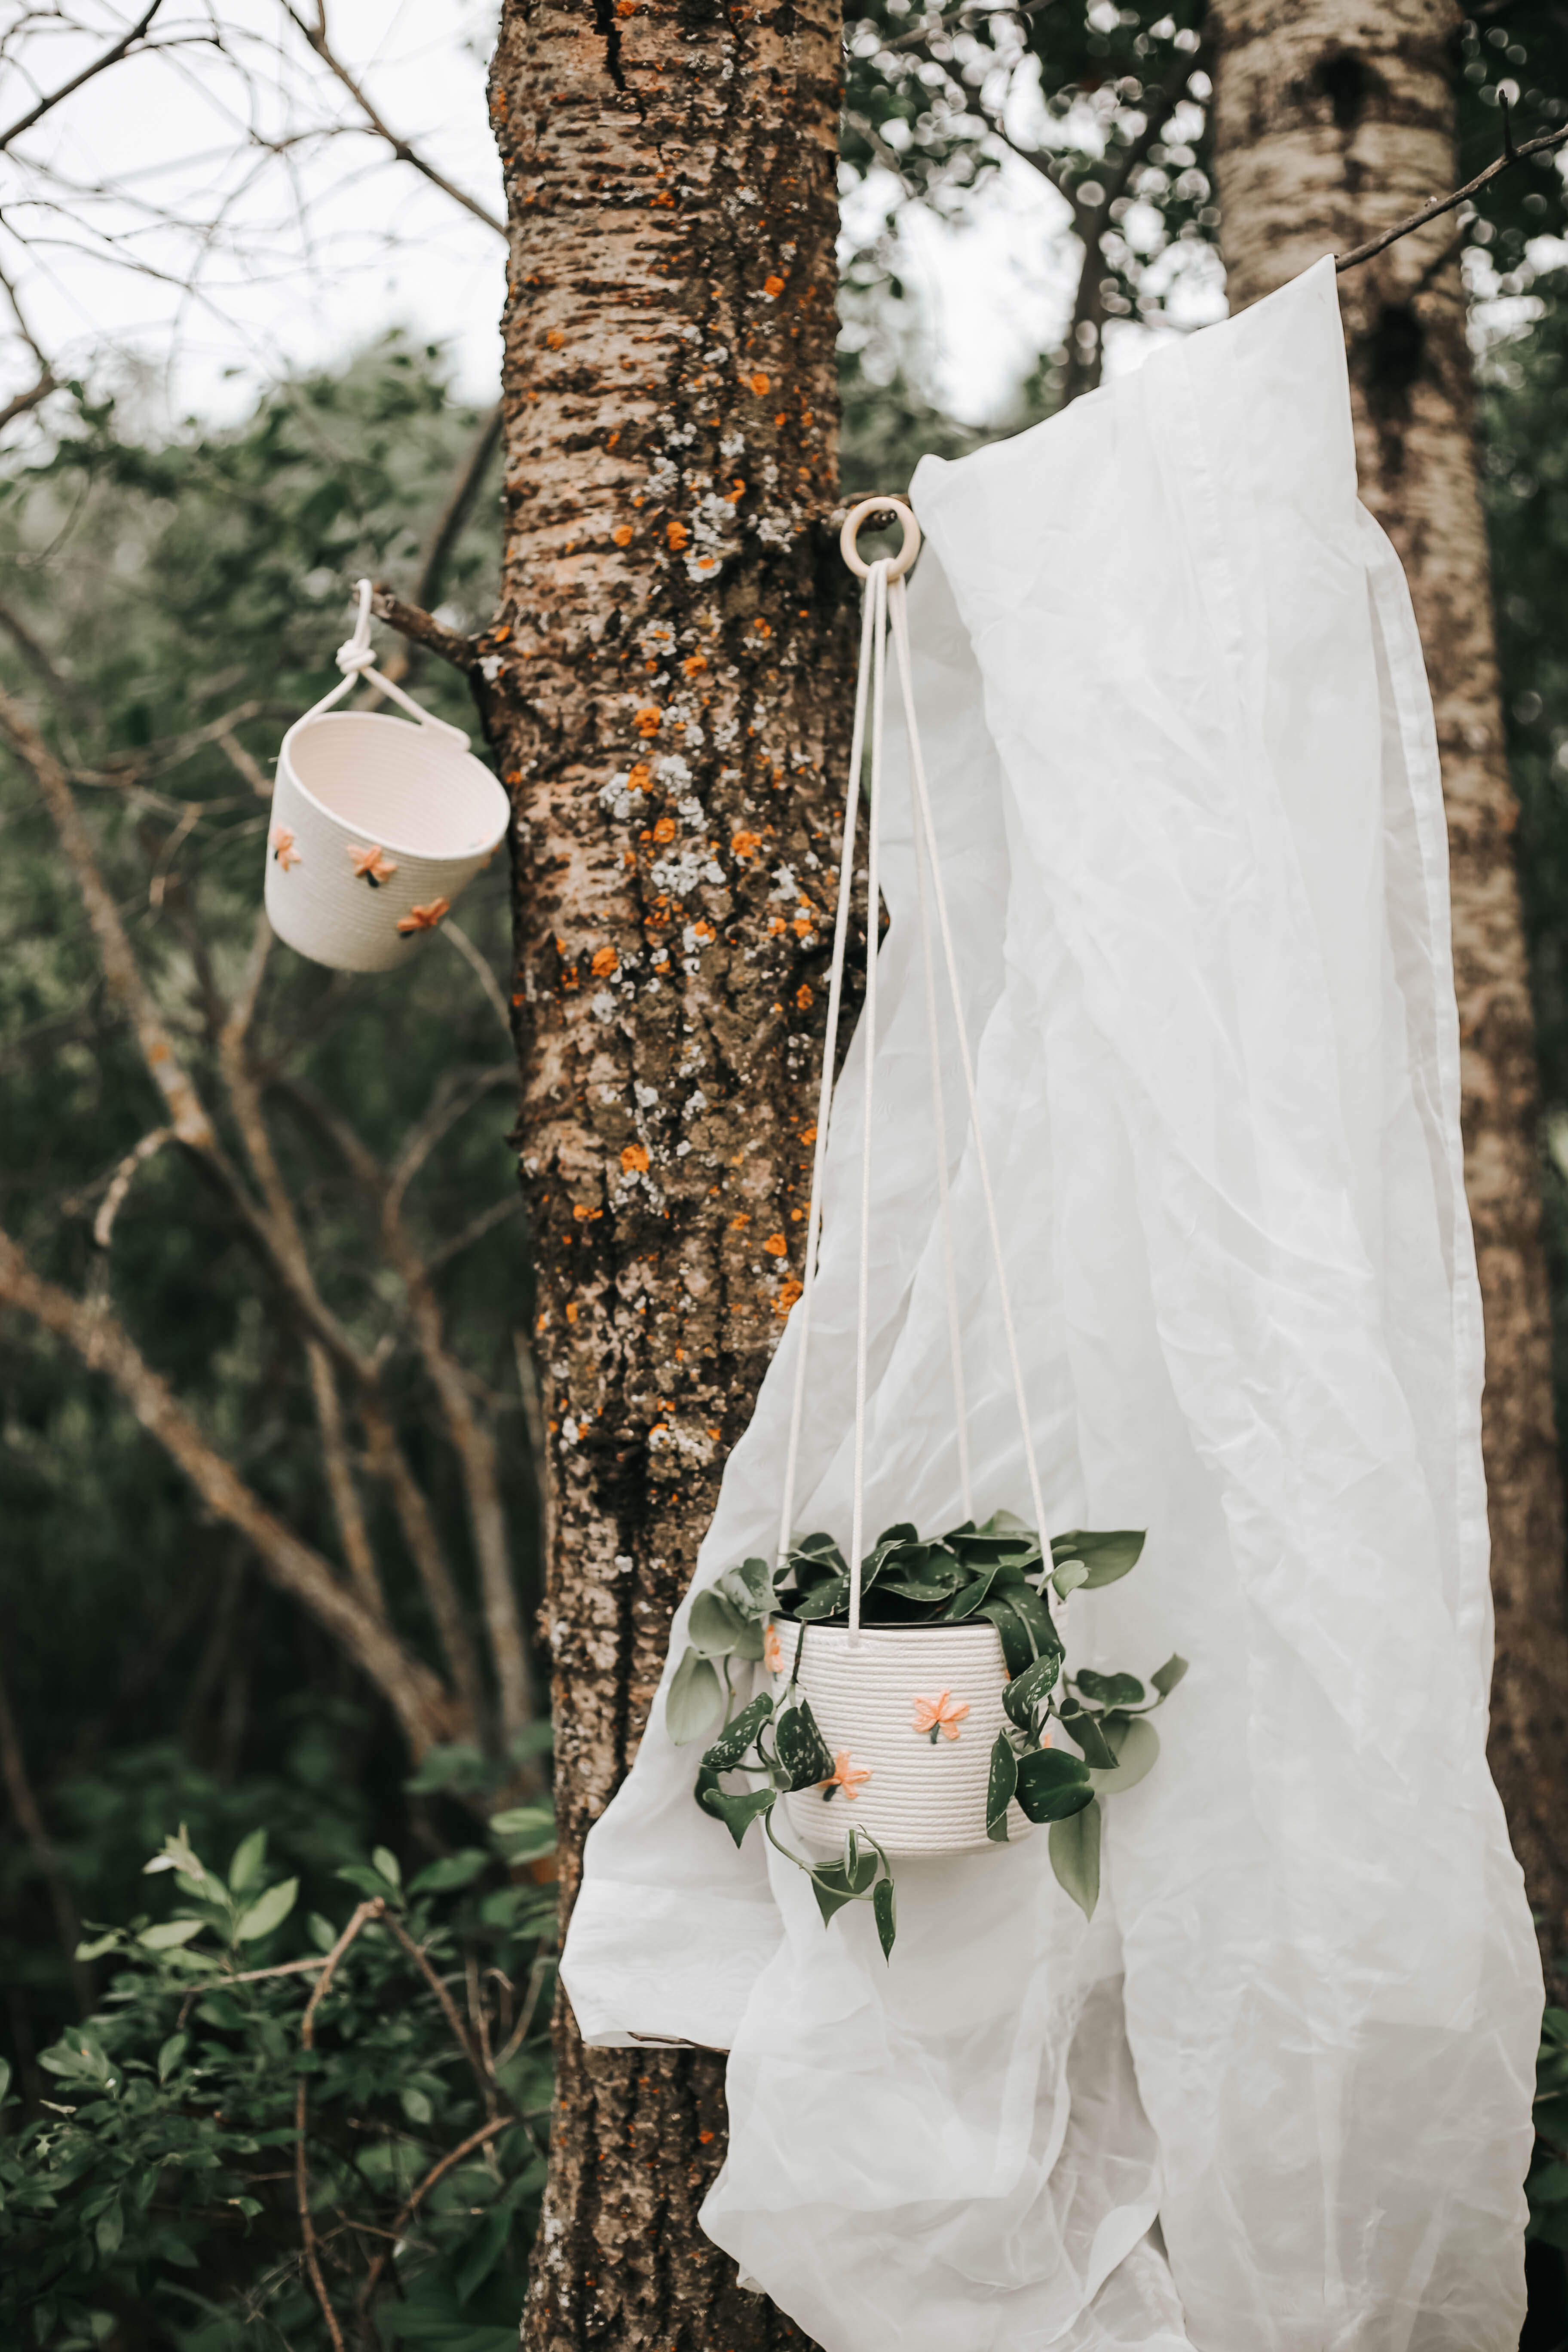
(1334, 119)
(665, 688)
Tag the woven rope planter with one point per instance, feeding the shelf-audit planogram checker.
(918, 1798)
(377, 826)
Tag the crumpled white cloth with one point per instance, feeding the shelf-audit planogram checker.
(1276, 2096)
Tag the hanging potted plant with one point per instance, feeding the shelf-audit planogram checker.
(938, 1727)
(915, 1692)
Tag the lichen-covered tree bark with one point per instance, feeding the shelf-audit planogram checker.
(1334, 119)
(666, 690)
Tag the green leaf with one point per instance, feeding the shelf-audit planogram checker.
(715, 1625)
(450, 1871)
(1052, 1786)
(1026, 1691)
(695, 1702)
(368, 1881)
(527, 1832)
(1085, 1733)
(1069, 1576)
(109, 2230)
(99, 1946)
(1075, 1857)
(171, 2054)
(1000, 1785)
(1018, 1650)
(1026, 1603)
(801, 1748)
(1111, 1690)
(1137, 1746)
(965, 1602)
(5, 2080)
(273, 1908)
(416, 2105)
(884, 1910)
(1105, 1557)
(738, 1814)
(1553, 2024)
(1165, 1678)
(736, 1737)
(817, 1557)
(1549, 2185)
(386, 1861)
(250, 1860)
(830, 1885)
(170, 1932)
(749, 1588)
(829, 1600)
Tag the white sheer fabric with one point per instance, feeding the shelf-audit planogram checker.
(1276, 2097)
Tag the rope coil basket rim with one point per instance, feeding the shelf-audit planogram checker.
(320, 718)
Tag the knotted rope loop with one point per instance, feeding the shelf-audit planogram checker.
(358, 654)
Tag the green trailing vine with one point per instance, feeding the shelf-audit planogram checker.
(998, 1572)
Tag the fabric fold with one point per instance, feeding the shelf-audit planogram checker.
(1275, 2097)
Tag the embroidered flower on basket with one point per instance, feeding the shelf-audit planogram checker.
(371, 864)
(280, 841)
(772, 1651)
(423, 918)
(846, 1776)
(940, 1717)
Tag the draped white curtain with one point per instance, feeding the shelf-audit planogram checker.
(1275, 2097)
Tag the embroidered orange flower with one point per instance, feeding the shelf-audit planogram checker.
(371, 865)
(423, 918)
(772, 1651)
(846, 1776)
(280, 841)
(940, 1717)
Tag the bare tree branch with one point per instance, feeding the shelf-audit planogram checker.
(352, 1528)
(22, 402)
(416, 1698)
(423, 629)
(318, 37)
(188, 1118)
(1548, 143)
(32, 652)
(109, 57)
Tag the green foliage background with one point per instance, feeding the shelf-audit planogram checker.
(158, 584)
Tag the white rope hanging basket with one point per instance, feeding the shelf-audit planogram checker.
(909, 1713)
(376, 825)
(877, 1705)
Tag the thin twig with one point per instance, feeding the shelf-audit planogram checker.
(403, 666)
(480, 969)
(99, 64)
(399, 1933)
(317, 36)
(352, 1528)
(436, 2173)
(422, 1706)
(423, 629)
(21, 402)
(1547, 144)
(371, 1909)
(122, 1180)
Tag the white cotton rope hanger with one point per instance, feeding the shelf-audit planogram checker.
(356, 659)
(885, 602)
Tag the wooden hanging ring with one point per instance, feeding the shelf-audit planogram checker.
(884, 510)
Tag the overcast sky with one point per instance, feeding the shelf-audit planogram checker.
(151, 218)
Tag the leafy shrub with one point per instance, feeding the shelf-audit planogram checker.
(390, 2082)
